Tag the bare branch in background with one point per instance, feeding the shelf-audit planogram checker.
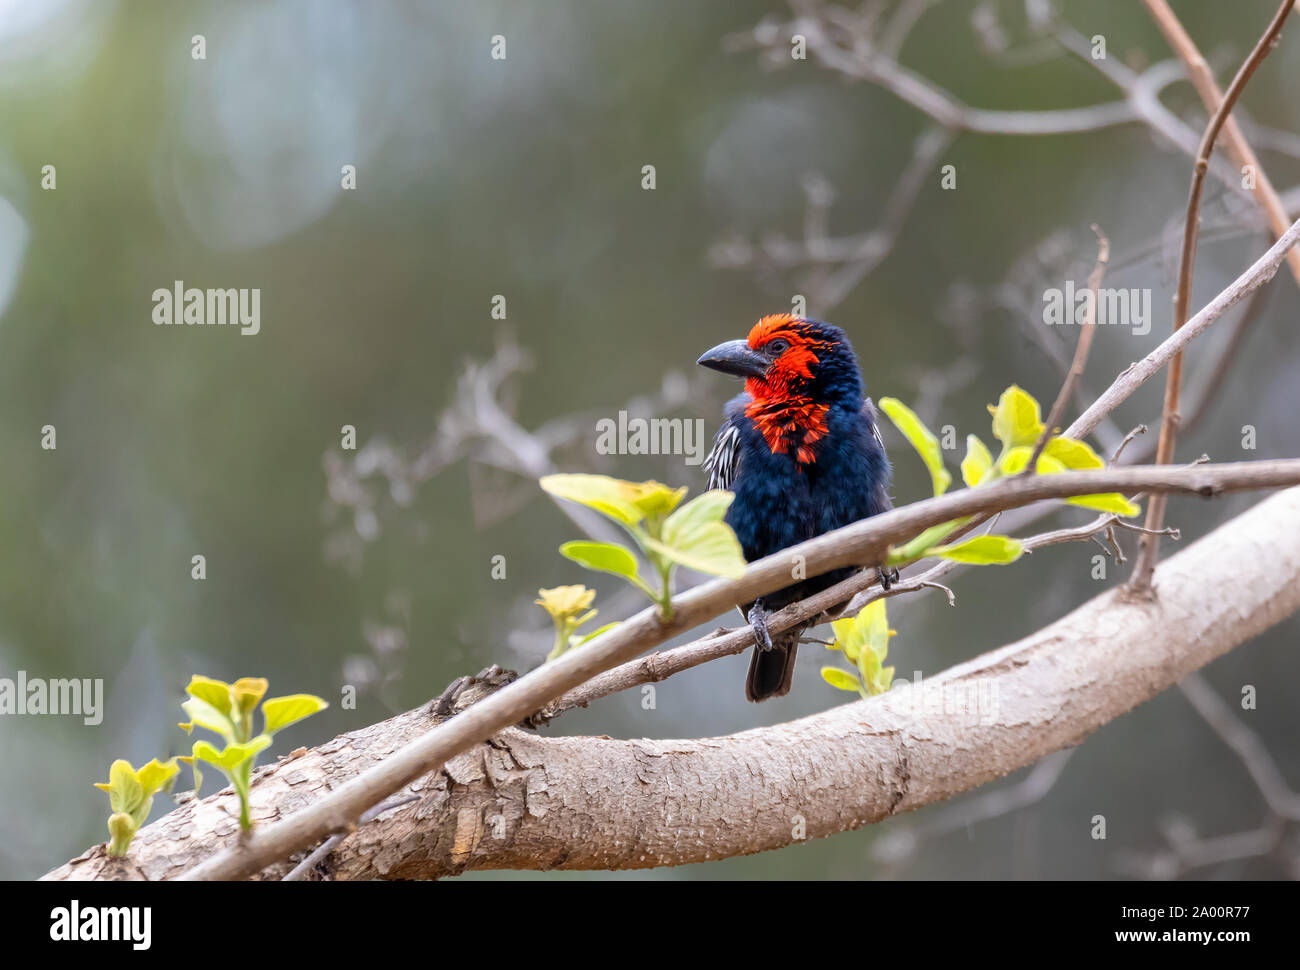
(895, 848)
(1138, 373)
(1186, 849)
(480, 426)
(863, 46)
(1242, 154)
(838, 265)
(1149, 547)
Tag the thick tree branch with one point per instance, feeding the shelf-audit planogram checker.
(858, 544)
(523, 801)
(862, 543)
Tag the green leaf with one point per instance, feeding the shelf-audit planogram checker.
(874, 624)
(1016, 419)
(868, 665)
(1073, 454)
(847, 637)
(124, 789)
(233, 755)
(921, 438)
(915, 548)
(606, 557)
(1107, 502)
(1015, 460)
(215, 693)
(610, 497)
(157, 774)
(864, 638)
(841, 679)
(656, 500)
(700, 511)
(625, 502)
(245, 693)
(977, 463)
(279, 712)
(697, 537)
(881, 683)
(595, 633)
(981, 550)
(204, 715)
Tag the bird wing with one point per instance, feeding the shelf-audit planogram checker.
(883, 501)
(869, 412)
(724, 457)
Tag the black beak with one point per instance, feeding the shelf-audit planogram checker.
(735, 357)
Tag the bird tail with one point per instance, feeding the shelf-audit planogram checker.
(771, 671)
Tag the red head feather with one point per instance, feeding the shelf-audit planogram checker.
(787, 418)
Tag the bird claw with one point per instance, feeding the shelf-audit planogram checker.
(888, 577)
(757, 618)
(464, 691)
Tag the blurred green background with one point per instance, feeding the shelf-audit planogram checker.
(522, 177)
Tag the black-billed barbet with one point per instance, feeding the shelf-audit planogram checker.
(801, 451)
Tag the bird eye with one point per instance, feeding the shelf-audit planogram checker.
(778, 346)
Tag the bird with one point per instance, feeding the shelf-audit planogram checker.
(802, 452)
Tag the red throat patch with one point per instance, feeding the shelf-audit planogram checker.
(791, 427)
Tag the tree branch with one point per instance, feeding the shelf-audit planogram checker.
(1238, 147)
(1137, 374)
(1149, 548)
(528, 802)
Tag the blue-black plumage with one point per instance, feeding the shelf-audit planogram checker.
(801, 451)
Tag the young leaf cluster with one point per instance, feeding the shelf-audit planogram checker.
(667, 533)
(1017, 426)
(864, 641)
(227, 711)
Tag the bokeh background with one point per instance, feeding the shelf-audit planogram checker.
(523, 177)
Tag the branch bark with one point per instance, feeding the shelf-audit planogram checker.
(527, 802)
(858, 544)
(863, 543)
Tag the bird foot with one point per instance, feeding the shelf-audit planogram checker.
(888, 577)
(464, 691)
(757, 618)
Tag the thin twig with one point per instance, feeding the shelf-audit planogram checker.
(1238, 147)
(1149, 547)
(1137, 374)
(1140, 429)
(657, 667)
(300, 871)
